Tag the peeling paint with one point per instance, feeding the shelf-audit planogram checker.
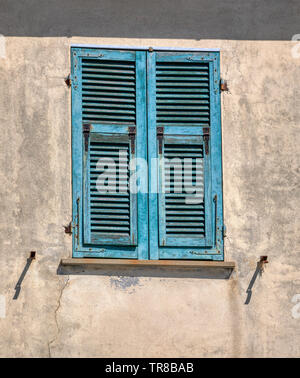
(124, 283)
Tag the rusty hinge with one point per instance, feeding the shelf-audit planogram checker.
(132, 134)
(86, 128)
(160, 136)
(68, 228)
(223, 86)
(68, 81)
(206, 139)
(224, 231)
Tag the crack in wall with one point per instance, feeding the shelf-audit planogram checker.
(55, 315)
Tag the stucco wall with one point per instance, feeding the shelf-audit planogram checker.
(150, 312)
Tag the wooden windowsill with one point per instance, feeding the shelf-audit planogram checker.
(140, 263)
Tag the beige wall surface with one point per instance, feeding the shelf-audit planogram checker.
(114, 312)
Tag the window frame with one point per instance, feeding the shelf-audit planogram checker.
(217, 251)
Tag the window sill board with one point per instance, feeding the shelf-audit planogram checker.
(140, 263)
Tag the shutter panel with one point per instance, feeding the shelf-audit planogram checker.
(184, 209)
(108, 91)
(182, 105)
(111, 95)
(182, 196)
(110, 205)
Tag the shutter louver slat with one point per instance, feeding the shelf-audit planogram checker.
(182, 94)
(108, 91)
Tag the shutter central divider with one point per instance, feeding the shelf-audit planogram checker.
(132, 135)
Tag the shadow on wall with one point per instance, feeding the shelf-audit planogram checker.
(258, 271)
(253, 279)
(23, 274)
(191, 19)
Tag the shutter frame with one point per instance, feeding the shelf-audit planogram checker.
(145, 229)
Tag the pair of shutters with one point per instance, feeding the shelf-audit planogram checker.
(146, 154)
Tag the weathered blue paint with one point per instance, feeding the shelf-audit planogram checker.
(142, 150)
(152, 153)
(216, 153)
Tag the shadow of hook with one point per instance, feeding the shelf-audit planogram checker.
(21, 278)
(259, 269)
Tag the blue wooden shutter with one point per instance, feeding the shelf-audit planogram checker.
(184, 119)
(108, 120)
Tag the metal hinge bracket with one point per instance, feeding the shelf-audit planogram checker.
(68, 228)
(206, 139)
(223, 86)
(224, 231)
(86, 128)
(132, 135)
(68, 81)
(160, 136)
